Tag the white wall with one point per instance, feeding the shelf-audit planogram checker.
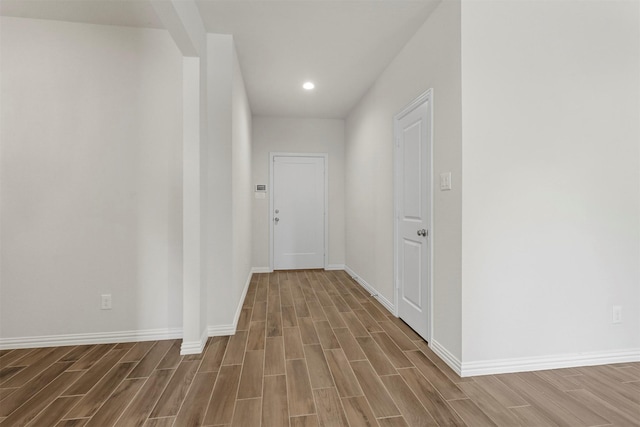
(551, 205)
(228, 190)
(241, 184)
(296, 135)
(90, 179)
(431, 59)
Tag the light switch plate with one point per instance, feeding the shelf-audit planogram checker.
(445, 181)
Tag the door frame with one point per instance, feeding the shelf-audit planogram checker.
(421, 99)
(325, 156)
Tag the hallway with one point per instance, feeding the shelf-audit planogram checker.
(312, 349)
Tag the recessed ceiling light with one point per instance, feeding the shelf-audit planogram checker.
(308, 86)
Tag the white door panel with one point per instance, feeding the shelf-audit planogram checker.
(413, 222)
(298, 212)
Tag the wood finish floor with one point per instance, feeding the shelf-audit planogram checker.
(312, 349)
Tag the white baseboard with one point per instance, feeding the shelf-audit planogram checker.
(526, 364)
(194, 347)
(446, 356)
(373, 291)
(261, 270)
(94, 338)
(334, 267)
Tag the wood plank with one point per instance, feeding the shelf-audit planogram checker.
(150, 360)
(275, 407)
(334, 317)
(11, 358)
(77, 353)
(9, 371)
(376, 356)
(30, 409)
(430, 398)
(236, 348)
(500, 391)
(222, 403)
(349, 344)
(91, 402)
(274, 325)
(579, 410)
(545, 404)
(53, 413)
(346, 382)
(530, 416)
(160, 422)
(440, 381)
(212, 359)
(392, 422)
(355, 326)
(33, 387)
(113, 407)
(471, 414)
(370, 324)
(144, 402)
(319, 372)
(138, 351)
(304, 421)
(302, 310)
(500, 415)
(247, 413)
(395, 355)
(317, 313)
(398, 337)
(614, 415)
(196, 402)
(95, 373)
(329, 407)
(256, 338)
(308, 331)
(374, 390)
(289, 317)
(274, 356)
(244, 320)
(300, 397)
(358, 412)
(30, 372)
(293, 344)
(376, 310)
(73, 423)
(251, 377)
(259, 312)
(273, 302)
(173, 395)
(326, 335)
(171, 360)
(409, 405)
(92, 357)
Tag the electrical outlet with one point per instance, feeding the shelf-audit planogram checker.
(617, 314)
(105, 302)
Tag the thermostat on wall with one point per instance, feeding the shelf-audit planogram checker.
(261, 187)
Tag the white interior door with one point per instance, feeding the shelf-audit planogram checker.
(298, 212)
(413, 222)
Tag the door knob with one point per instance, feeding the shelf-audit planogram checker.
(422, 232)
(276, 219)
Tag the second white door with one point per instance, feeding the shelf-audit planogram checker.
(298, 212)
(413, 222)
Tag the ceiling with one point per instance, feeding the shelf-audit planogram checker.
(341, 45)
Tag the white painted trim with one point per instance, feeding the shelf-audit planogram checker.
(94, 338)
(446, 356)
(194, 347)
(373, 291)
(261, 270)
(325, 156)
(426, 96)
(334, 267)
(526, 364)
